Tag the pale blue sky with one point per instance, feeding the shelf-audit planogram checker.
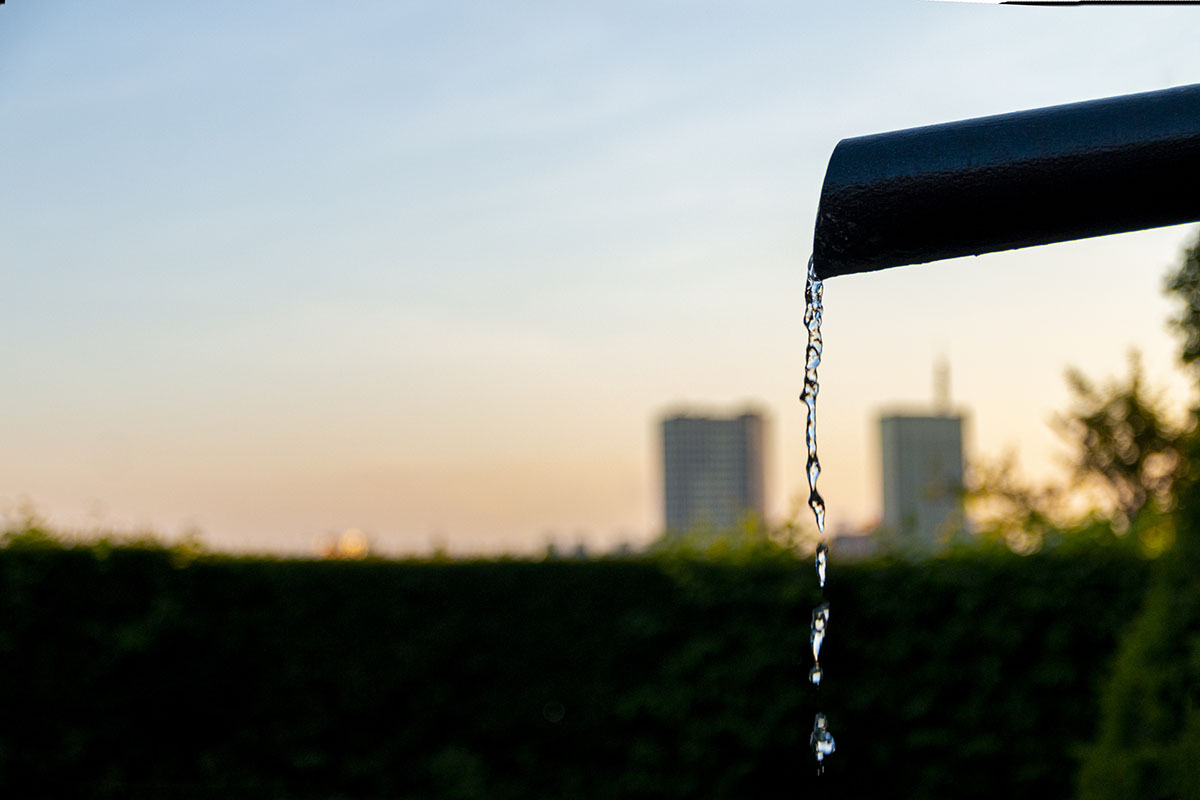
(433, 269)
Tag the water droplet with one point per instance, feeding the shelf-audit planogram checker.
(820, 622)
(822, 562)
(814, 675)
(821, 740)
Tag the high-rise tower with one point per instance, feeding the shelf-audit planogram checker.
(922, 477)
(712, 470)
(923, 470)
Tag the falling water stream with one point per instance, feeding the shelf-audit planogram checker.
(812, 359)
(821, 739)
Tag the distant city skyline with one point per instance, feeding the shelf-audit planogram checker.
(277, 271)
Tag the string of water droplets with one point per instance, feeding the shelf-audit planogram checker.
(821, 739)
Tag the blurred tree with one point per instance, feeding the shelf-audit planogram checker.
(1007, 509)
(1148, 740)
(1126, 446)
(1184, 284)
(753, 538)
(1127, 459)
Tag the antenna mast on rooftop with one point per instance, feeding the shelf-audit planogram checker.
(941, 386)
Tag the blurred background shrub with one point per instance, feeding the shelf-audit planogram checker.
(139, 671)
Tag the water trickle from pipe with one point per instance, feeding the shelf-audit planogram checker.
(812, 359)
(821, 739)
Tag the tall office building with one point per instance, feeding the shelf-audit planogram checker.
(712, 471)
(922, 477)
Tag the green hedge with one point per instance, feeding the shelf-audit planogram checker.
(1148, 743)
(137, 672)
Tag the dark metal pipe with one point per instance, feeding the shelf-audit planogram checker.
(1008, 181)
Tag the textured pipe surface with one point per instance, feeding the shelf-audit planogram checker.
(1008, 181)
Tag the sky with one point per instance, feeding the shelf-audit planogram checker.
(435, 270)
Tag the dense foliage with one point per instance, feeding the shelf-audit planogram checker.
(1149, 737)
(141, 672)
(1148, 745)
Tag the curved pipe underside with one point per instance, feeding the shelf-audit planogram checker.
(1008, 181)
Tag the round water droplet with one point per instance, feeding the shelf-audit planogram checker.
(814, 675)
